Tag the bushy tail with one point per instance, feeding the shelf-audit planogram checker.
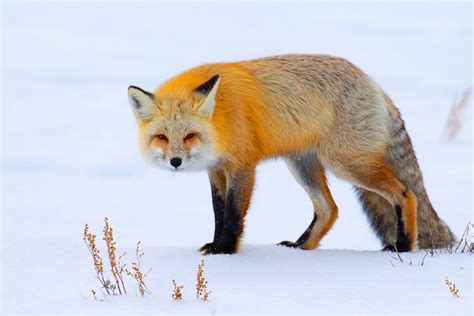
(400, 156)
(381, 215)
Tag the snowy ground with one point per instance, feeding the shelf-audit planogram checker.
(69, 157)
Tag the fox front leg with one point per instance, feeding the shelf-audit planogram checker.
(218, 203)
(230, 207)
(218, 180)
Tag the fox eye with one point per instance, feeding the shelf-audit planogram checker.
(189, 136)
(162, 137)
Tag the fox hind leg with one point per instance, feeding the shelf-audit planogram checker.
(381, 216)
(379, 178)
(310, 174)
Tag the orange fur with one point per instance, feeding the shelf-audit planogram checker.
(245, 130)
(409, 212)
(313, 241)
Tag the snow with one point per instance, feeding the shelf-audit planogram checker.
(70, 157)
(262, 278)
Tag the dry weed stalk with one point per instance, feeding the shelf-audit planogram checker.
(89, 240)
(453, 124)
(465, 242)
(201, 285)
(177, 295)
(452, 287)
(137, 274)
(410, 262)
(115, 266)
(464, 245)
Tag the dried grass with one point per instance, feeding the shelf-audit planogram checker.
(201, 285)
(137, 274)
(89, 240)
(117, 268)
(452, 287)
(177, 294)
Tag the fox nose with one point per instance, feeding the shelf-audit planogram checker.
(176, 162)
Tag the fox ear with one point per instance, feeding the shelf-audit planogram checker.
(142, 102)
(208, 91)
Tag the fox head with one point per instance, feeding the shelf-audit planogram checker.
(175, 130)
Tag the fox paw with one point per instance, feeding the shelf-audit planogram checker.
(290, 244)
(206, 247)
(398, 248)
(389, 248)
(214, 249)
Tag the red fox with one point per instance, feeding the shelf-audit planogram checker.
(319, 113)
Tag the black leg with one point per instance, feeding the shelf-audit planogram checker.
(218, 203)
(227, 233)
(233, 225)
(230, 222)
(403, 241)
(303, 238)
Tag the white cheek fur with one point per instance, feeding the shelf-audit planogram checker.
(154, 156)
(157, 151)
(193, 151)
(200, 158)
